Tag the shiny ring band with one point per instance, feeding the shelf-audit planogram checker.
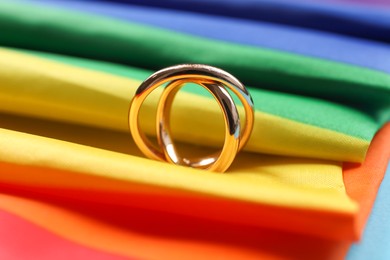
(216, 81)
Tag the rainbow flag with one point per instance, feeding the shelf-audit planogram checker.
(74, 185)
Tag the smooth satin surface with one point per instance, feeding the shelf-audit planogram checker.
(25, 25)
(369, 175)
(357, 52)
(180, 235)
(74, 185)
(114, 233)
(102, 99)
(21, 240)
(378, 3)
(322, 179)
(374, 243)
(358, 21)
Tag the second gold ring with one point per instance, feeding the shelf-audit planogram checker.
(217, 82)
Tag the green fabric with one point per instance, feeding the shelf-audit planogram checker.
(307, 110)
(34, 27)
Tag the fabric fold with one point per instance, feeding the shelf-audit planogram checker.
(359, 21)
(22, 239)
(328, 46)
(133, 233)
(71, 215)
(303, 187)
(57, 91)
(36, 27)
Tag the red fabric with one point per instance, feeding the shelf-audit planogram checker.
(178, 236)
(20, 239)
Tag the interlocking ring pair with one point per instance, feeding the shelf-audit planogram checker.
(216, 81)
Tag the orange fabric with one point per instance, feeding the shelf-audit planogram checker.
(20, 239)
(328, 224)
(362, 181)
(154, 235)
(172, 236)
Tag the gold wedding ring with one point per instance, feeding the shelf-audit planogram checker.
(215, 81)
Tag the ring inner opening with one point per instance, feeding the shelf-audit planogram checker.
(200, 133)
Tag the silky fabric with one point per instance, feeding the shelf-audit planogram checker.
(276, 132)
(358, 21)
(21, 27)
(22, 240)
(285, 38)
(323, 114)
(303, 188)
(115, 234)
(136, 238)
(374, 243)
(12, 138)
(378, 3)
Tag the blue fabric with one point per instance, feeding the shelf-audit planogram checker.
(329, 46)
(360, 21)
(376, 239)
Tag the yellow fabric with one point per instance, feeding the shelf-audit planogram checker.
(70, 94)
(272, 180)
